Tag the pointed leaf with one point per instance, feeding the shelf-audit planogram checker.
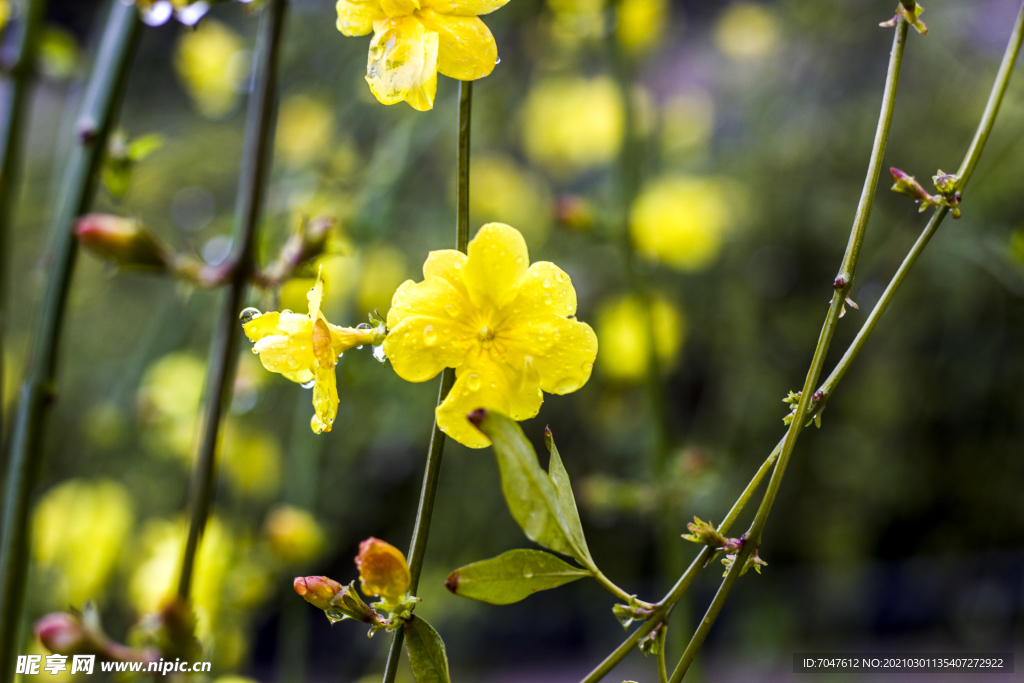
(426, 652)
(528, 490)
(512, 576)
(563, 489)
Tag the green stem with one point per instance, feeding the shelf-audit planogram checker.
(15, 96)
(662, 669)
(612, 588)
(664, 607)
(432, 470)
(102, 95)
(256, 159)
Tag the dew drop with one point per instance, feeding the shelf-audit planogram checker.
(363, 326)
(458, 265)
(497, 61)
(587, 367)
(309, 384)
(248, 315)
(473, 382)
(378, 353)
(429, 335)
(527, 575)
(451, 310)
(546, 283)
(286, 312)
(519, 259)
(558, 277)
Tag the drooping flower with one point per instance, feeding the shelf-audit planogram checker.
(305, 349)
(383, 570)
(413, 40)
(507, 327)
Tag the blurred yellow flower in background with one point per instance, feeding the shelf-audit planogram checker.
(305, 349)
(624, 328)
(577, 20)
(682, 221)
(747, 31)
(78, 530)
(383, 269)
(641, 24)
(573, 124)
(503, 191)
(340, 274)
(305, 129)
(251, 461)
(211, 63)
(169, 398)
(507, 327)
(5, 13)
(294, 535)
(414, 40)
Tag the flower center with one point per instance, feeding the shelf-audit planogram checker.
(485, 334)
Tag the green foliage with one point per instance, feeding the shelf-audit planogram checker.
(512, 576)
(427, 654)
(532, 497)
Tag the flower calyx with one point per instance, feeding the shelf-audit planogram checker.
(946, 183)
(911, 11)
(634, 610)
(651, 643)
(793, 399)
(752, 562)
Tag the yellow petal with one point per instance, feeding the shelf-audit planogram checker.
(556, 353)
(429, 329)
(464, 8)
(356, 17)
(325, 400)
(445, 263)
(498, 258)
(482, 386)
(466, 48)
(275, 323)
(399, 8)
(545, 290)
(315, 297)
(402, 64)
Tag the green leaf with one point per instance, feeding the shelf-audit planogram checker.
(142, 147)
(563, 489)
(512, 576)
(426, 652)
(528, 490)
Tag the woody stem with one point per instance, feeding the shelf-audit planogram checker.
(102, 95)
(432, 470)
(256, 159)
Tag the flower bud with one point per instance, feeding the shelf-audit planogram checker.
(908, 185)
(945, 183)
(348, 605)
(383, 570)
(62, 633)
(124, 241)
(704, 533)
(317, 590)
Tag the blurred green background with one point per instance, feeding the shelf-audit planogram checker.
(900, 523)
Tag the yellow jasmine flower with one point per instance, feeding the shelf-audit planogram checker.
(383, 570)
(413, 40)
(305, 349)
(507, 327)
(211, 65)
(625, 326)
(641, 24)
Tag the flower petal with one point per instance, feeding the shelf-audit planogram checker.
(466, 48)
(402, 64)
(325, 400)
(428, 329)
(545, 289)
(498, 258)
(482, 386)
(284, 354)
(465, 8)
(275, 323)
(356, 17)
(315, 297)
(556, 353)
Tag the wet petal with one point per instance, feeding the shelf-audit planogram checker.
(285, 354)
(545, 290)
(465, 8)
(315, 297)
(498, 258)
(445, 263)
(482, 386)
(275, 323)
(429, 329)
(325, 400)
(466, 48)
(556, 353)
(402, 64)
(355, 18)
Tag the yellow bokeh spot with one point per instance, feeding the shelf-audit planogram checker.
(624, 329)
(577, 20)
(682, 221)
(78, 529)
(5, 13)
(384, 268)
(573, 124)
(294, 535)
(747, 31)
(251, 461)
(211, 63)
(503, 191)
(641, 24)
(305, 129)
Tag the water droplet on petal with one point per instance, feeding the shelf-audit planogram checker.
(378, 353)
(565, 386)
(558, 277)
(363, 326)
(309, 384)
(286, 311)
(519, 259)
(458, 265)
(587, 367)
(429, 335)
(248, 315)
(546, 283)
(473, 382)
(451, 310)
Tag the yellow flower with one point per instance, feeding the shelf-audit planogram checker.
(747, 31)
(294, 534)
(571, 125)
(502, 189)
(383, 570)
(682, 221)
(413, 40)
(507, 327)
(210, 61)
(624, 329)
(305, 349)
(305, 129)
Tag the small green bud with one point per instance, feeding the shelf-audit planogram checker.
(348, 605)
(911, 11)
(753, 562)
(704, 533)
(634, 611)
